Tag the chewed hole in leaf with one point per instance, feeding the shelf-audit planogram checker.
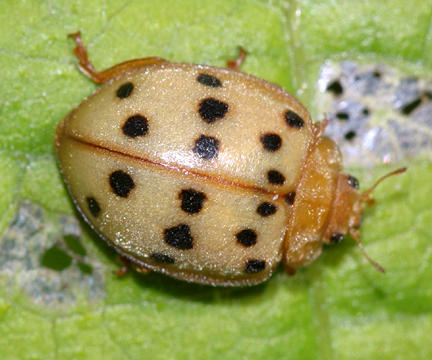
(85, 268)
(381, 116)
(56, 259)
(34, 252)
(74, 244)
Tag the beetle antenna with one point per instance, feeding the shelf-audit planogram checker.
(355, 235)
(365, 196)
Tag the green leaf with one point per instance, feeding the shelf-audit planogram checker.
(337, 308)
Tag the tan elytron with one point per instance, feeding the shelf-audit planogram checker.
(206, 174)
(168, 96)
(136, 224)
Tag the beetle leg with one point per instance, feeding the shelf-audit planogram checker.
(127, 264)
(235, 64)
(291, 271)
(125, 267)
(142, 269)
(320, 127)
(100, 77)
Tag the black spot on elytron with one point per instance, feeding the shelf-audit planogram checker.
(271, 142)
(121, 183)
(365, 112)
(342, 115)
(211, 110)
(335, 87)
(206, 147)
(266, 209)
(162, 258)
(136, 125)
(125, 90)
(209, 80)
(275, 177)
(336, 238)
(290, 197)
(93, 206)
(349, 135)
(293, 120)
(247, 237)
(409, 108)
(191, 200)
(353, 182)
(179, 237)
(255, 266)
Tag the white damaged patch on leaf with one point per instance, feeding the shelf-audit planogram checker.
(44, 256)
(377, 113)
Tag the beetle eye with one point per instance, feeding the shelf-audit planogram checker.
(353, 182)
(336, 238)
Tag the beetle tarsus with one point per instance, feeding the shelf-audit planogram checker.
(237, 63)
(84, 64)
(124, 269)
(101, 77)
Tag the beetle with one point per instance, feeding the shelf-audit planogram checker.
(206, 174)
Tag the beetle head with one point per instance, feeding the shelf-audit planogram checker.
(346, 213)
